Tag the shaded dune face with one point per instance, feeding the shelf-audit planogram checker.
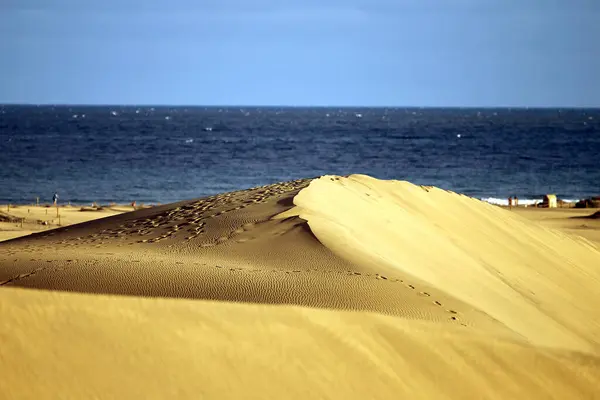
(231, 247)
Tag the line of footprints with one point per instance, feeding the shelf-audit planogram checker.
(453, 313)
(193, 216)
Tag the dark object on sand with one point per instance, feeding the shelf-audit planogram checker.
(595, 215)
(593, 202)
(93, 208)
(4, 217)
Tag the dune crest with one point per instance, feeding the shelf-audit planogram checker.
(539, 282)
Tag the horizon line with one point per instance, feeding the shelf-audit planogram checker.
(520, 107)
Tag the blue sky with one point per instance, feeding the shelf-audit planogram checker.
(328, 52)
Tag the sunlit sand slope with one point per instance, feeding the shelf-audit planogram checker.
(76, 346)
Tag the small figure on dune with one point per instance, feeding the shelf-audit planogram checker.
(510, 202)
(55, 198)
(516, 201)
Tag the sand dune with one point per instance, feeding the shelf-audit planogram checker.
(328, 288)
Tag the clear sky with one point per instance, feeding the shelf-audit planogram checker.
(311, 52)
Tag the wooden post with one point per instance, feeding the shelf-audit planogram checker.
(57, 211)
(46, 211)
(37, 201)
(59, 220)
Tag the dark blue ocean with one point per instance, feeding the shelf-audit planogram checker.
(164, 154)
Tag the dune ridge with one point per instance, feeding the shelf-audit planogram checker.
(336, 287)
(518, 272)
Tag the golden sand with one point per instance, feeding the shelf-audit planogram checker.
(28, 219)
(331, 288)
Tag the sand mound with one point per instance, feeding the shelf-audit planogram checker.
(230, 247)
(478, 300)
(539, 282)
(595, 215)
(4, 217)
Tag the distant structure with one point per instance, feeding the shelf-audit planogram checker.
(593, 202)
(550, 201)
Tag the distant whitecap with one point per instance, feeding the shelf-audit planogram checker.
(114, 113)
(189, 140)
(167, 118)
(458, 136)
(208, 129)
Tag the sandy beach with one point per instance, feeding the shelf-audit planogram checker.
(333, 288)
(25, 219)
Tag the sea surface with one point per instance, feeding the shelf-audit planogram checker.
(164, 154)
